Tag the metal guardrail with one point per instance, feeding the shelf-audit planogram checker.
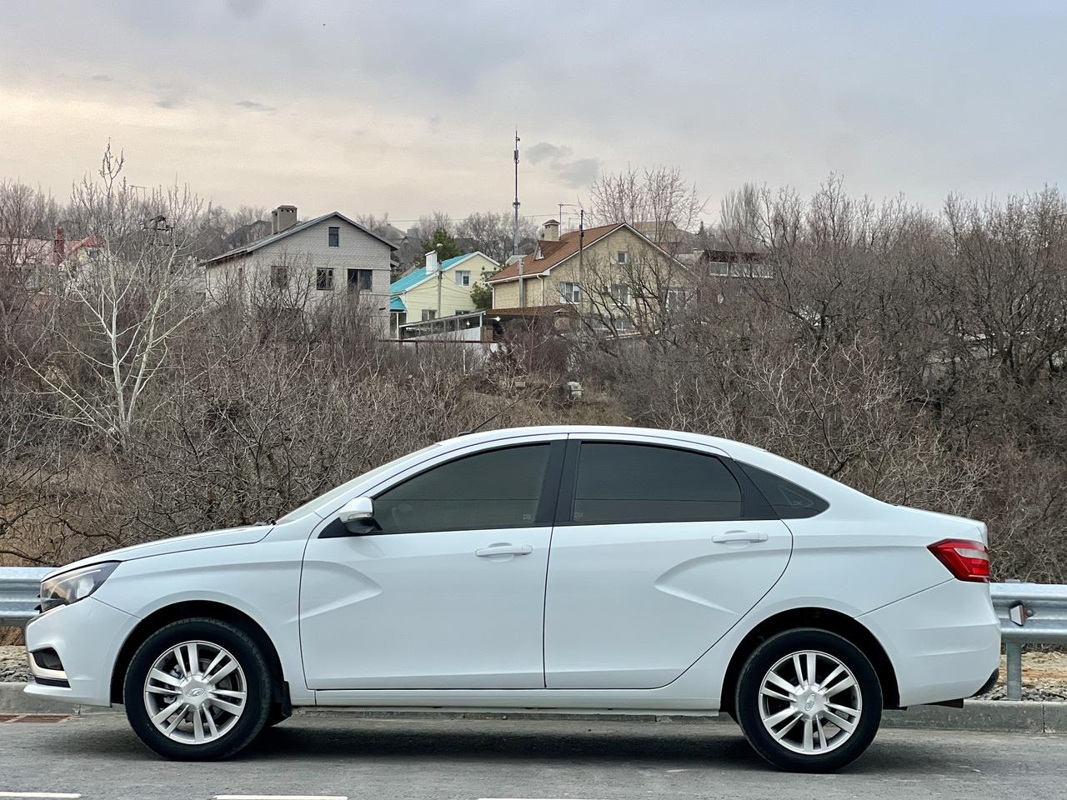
(18, 594)
(1030, 613)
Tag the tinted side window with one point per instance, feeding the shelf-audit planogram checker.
(787, 499)
(625, 483)
(497, 489)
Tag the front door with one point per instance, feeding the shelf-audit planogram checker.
(450, 593)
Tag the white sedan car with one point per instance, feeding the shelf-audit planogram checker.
(577, 569)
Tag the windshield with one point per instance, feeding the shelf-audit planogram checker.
(345, 488)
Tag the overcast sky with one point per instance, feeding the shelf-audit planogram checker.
(367, 106)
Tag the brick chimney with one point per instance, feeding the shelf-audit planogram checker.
(551, 231)
(282, 218)
(59, 247)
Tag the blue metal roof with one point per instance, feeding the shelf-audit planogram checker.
(413, 278)
(417, 276)
(397, 304)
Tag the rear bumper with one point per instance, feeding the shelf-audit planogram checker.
(943, 642)
(989, 684)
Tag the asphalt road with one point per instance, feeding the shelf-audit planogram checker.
(96, 756)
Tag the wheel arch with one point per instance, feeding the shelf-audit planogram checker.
(824, 619)
(199, 608)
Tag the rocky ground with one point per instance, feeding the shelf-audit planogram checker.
(1044, 674)
(13, 664)
(1044, 678)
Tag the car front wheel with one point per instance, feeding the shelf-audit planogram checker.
(808, 701)
(198, 690)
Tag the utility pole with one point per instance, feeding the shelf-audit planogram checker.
(581, 248)
(437, 250)
(515, 228)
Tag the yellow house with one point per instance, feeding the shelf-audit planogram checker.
(611, 274)
(437, 290)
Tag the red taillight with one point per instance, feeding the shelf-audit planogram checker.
(966, 560)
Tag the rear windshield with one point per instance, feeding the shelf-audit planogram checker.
(787, 499)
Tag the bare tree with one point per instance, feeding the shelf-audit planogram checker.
(1008, 281)
(493, 234)
(120, 308)
(30, 250)
(659, 200)
(428, 224)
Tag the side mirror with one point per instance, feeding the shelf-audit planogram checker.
(357, 516)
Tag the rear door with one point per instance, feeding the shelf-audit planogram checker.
(658, 551)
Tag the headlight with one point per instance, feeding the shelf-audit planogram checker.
(70, 587)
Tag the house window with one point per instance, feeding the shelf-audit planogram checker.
(428, 314)
(360, 280)
(623, 324)
(279, 276)
(620, 293)
(570, 293)
(463, 277)
(622, 257)
(676, 298)
(324, 279)
(335, 237)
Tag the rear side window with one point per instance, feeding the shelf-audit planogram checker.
(787, 499)
(495, 489)
(628, 483)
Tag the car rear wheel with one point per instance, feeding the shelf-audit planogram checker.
(808, 701)
(198, 690)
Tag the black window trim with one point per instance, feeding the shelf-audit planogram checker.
(754, 506)
(740, 467)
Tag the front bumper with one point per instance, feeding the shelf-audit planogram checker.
(86, 636)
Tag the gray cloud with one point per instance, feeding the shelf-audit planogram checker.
(542, 150)
(252, 105)
(578, 173)
(245, 8)
(573, 172)
(777, 109)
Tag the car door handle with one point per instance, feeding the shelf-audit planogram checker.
(504, 550)
(739, 537)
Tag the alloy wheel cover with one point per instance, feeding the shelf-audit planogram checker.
(810, 702)
(195, 692)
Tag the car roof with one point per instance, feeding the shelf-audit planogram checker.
(497, 434)
(815, 481)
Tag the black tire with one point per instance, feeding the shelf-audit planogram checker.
(222, 731)
(830, 747)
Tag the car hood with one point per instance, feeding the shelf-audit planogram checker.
(196, 541)
(945, 526)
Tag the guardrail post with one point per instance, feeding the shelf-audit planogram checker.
(1014, 652)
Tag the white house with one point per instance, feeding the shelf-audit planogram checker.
(326, 257)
